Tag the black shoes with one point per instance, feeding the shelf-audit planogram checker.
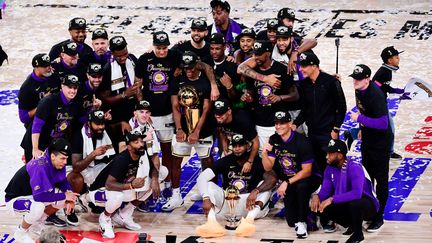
(375, 225)
(72, 219)
(395, 156)
(355, 238)
(349, 231)
(56, 221)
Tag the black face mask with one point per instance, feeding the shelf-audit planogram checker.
(141, 151)
(97, 135)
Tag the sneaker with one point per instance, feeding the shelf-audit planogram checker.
(105, 226)
(22, 235)
(125, 222)
(196, 197)
(246, 228)
(72, 219)
(395, 156)
(355, 238)
(210, 229)
(301, 230)
(173, 203)
(148, 205)
(375, 225)
(96, 210)
(349, 231)
(55, 220)
(166, 193)
(330, 227)
(81, 206)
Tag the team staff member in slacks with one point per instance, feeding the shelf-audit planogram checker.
(376, 135)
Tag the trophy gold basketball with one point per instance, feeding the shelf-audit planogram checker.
(232, 198)
(189, 99)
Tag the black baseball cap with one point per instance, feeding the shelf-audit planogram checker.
(283, 31)
(133, 135)
(360, 72)
(199, 24)
(217, 38)
(272, 24)
(247, 32)
(337, 146)
(143, 105)
(70, 80)
(282, 116)
(221, 106)
(117, 43)
(286, 13)
(70, 48)
(223, 4)
(77, 24)
(261, 46)
(189, 59)
(238, 139)
(41, 60)
(160, 38)
(308, 58)
(94, 69)
(60, 145)
(389, 52)
(100, 33)
(97, 116)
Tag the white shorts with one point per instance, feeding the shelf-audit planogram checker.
(164, 127)
(23, 204)
(90, 173)
(264, 134)
(202, 147)
(217, 197)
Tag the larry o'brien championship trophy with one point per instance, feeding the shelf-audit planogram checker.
(189, 99)
(232, 197)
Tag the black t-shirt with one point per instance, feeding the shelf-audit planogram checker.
(202, 88)
(232, 175)
(122, 167)
(290, 154)
(158, 77)
(230, 68)
(383, 76)
(84, 99)
(241, 123)
(79, 70)
(34, 89)
(83, 50)
(372, 103)
(123, 110)
(59, 119)
(92, 57)
(264, 110)
(202, 53)
(19, 185)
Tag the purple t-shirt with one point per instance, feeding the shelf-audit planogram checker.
(44, 178)
(346, 184)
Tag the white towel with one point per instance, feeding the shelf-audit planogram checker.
(88, 144)
(117, 74)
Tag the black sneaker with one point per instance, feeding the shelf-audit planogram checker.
(95, 209)
(72, 219)
(330, 227)
(375, 225)
(395, 156)
(349, 231)
(355, 238)
(56, 221)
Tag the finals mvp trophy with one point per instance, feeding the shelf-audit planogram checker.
(232, 197)
(189, 99)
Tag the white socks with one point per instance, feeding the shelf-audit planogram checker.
(252, 214)
(211, 215)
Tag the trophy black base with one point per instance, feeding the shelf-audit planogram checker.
(230, 227)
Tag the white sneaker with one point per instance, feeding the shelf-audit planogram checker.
(126, 222)
(105, 226)
(196, 197)
(301, 230)
(23, 236)
(173, 203)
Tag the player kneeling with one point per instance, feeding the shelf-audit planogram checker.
(253, 192)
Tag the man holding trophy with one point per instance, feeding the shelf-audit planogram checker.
(246, 193)
(191, 106)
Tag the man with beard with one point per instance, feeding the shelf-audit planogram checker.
(323, 106)
(86, 97)
(225, 25)
(100, 53)
(39, 189)
(235, 121)
(191, 107)
(92, 150)
(122, 182)
(289, 155)
(55, 115)
(39, 83)
(78, 34)
(266, 99)
(254, 190)
(270, 33)
(118, 89)
(246, 40)
(69, 62)
(346, 189)
(197, 44)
